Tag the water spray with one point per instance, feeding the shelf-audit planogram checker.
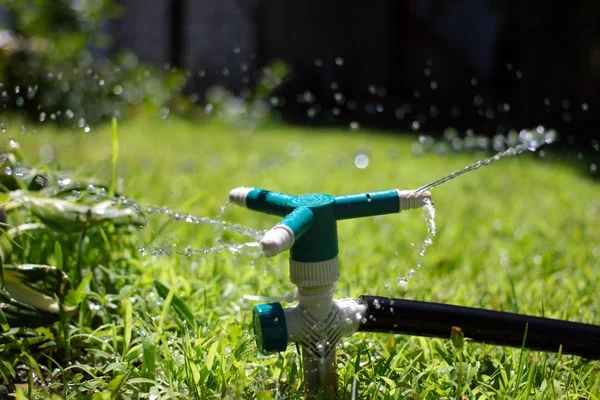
(318, 321)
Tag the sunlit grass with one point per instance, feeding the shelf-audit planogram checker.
(521, 235)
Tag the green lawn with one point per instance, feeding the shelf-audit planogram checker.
(520, 235)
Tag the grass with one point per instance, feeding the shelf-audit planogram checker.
(521, 235)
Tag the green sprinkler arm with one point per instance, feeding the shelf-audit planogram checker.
(322, 211)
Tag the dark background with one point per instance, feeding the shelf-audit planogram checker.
(483, 65)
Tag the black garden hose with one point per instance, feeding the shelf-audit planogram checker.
(388, 315)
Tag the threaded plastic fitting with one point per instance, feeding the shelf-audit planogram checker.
(277, 240)
(238, 195)
(409, 199)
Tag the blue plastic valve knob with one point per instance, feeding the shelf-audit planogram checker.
(270, 327)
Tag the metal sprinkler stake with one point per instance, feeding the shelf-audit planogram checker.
(309, 231)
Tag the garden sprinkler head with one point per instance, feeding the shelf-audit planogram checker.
(309, 230)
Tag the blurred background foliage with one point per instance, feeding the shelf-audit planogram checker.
(49, 68)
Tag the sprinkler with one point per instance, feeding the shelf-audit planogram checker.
(309, 230)
(318, 321)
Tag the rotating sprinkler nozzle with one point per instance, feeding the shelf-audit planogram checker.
(309, 230)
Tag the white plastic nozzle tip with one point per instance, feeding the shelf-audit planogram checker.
(411, 199)
(238, 196)
(277, 240)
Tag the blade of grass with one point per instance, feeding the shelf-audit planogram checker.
(76, 274)
(113, 159)
(522, 353)
(58, 254)
(178, 305)
(128, 325)
(3, 321)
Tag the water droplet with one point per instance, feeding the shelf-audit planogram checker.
(584, 107)
(294, 149)
(46, 153)
(361, 161)
(339, 61)
(63, 182)
(593, 168)
(8, 171)
(402, 283)
(21, 172)
(354, 126)
(117, 89)
(40, 181)
(42, 116)
(417, 149)
(433, 85)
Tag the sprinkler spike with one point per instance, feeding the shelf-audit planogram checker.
(411, 199)
(277, 240)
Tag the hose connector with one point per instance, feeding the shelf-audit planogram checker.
(411, 199)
